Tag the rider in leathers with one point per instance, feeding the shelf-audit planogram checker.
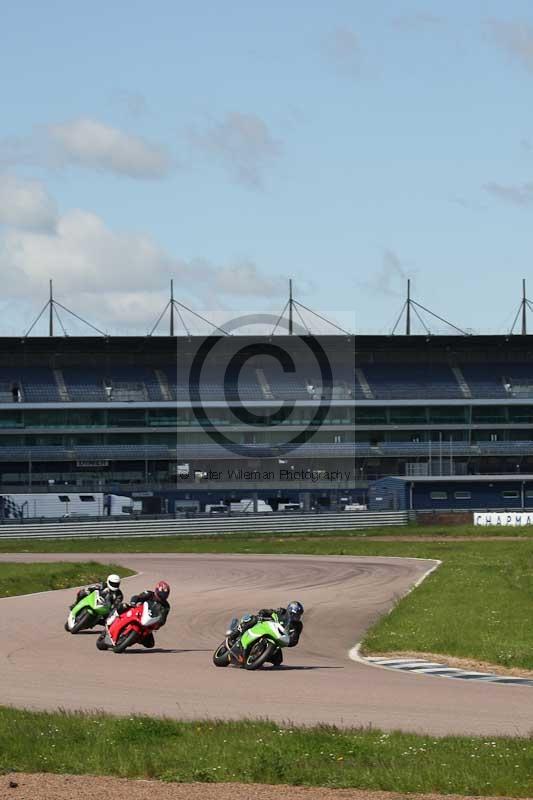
(110, 589)
(290, 618)
(159, 598)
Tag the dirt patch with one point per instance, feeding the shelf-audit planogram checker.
(468, 664)
(45, 786)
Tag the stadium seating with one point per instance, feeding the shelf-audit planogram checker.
(267, 382)
(34, 385)
(119, 384)
(499, 380)
(396, 382)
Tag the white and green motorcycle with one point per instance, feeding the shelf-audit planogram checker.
(91, 610)
(253, 647)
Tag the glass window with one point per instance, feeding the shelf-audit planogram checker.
(408, 416)
(447, 415)
(439, 495)
(488, 414)
(510, 494)
(462, 495)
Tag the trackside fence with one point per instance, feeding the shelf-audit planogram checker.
(286, 523)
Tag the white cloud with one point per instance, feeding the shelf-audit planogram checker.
(515, 38)
(390, 280)
(91, 144)
(343, 50)
(118, 280)
(418, 21)
(245, 279)
(516, 195)
(243, 144)
(25, 204)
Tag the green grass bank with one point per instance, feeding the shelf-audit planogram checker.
(263, 752)
(16, 579)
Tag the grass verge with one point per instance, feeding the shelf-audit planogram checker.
(16, 579)
(234, 542)
(263, 752)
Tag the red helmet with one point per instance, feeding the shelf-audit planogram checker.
(162, 590)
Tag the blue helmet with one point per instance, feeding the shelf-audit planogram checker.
(295, 609)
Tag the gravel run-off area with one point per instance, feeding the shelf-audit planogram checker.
(46, 786)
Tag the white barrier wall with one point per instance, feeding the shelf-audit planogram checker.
(513, 519)
(205, 526)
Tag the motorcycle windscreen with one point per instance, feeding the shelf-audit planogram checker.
(231, 627)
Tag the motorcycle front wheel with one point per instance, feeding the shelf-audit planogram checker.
(221, 656)
(82, 621)
(258, 653)
(125, 641)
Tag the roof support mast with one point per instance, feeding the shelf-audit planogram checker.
(525, 306)
(413, 305)
(292, 306)
(51, 311)
(524, 314)
(291, 301)
(172, 306)
(408, 309)
(53, 307)
(175, 307)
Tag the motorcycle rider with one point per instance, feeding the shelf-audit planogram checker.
(110, 588)
(289, 616)
(157, 597)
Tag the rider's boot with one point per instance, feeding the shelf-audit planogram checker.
(277, 658)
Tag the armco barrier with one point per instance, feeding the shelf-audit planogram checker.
(207, 526)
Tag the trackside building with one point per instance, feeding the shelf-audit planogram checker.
(472, 492)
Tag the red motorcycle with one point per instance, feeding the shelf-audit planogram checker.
(130, 627)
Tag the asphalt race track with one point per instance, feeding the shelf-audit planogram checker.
(43, 667)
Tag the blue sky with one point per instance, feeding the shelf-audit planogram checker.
(347, 145)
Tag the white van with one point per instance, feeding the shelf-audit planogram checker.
(290, 507)
(247, 506)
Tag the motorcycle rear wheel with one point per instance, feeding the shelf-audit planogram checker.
(259, 652)
(126, 641)
(221, 656)
(100, 642)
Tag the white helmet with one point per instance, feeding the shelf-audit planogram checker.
(113, 582)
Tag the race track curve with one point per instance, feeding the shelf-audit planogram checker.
(43, 667)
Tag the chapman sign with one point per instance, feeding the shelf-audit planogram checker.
(514, 520)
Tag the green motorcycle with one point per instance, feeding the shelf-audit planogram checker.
(91, 610)
(255, 646)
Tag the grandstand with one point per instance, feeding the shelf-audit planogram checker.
(102, 413)
(122, 414)
(444, 405)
